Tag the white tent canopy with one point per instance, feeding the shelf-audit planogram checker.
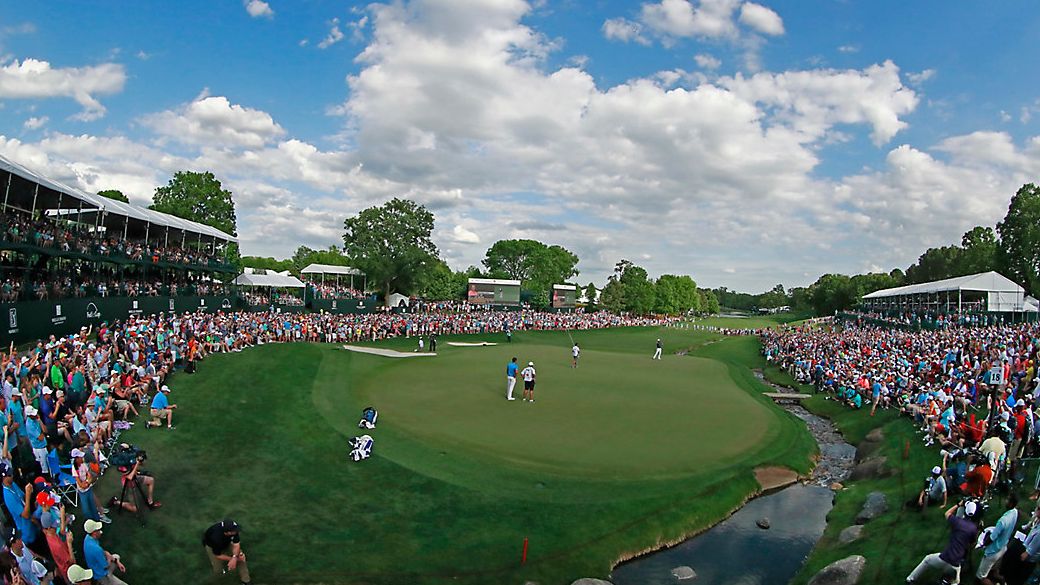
(269, 280)
(109, 207)
(330, 269)
(1001, 294)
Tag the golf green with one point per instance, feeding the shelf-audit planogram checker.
(617, 456)
(617, 415)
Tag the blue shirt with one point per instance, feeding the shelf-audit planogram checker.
(34, 430)
(1002, 532)
(14, 499)
(511, 370)
(160, 402)
(95, 557)
(18, 416)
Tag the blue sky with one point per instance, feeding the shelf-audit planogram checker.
(745, 143)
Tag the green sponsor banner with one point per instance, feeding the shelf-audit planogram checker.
(343, 306)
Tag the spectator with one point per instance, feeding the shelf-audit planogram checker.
(996, 540)
(934, 492)
(161, 408)
(103, 563)
(962, 538)
(32, 570)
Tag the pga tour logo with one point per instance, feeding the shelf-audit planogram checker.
(171, 304)
(225, 304)
(93, 312)
(12, 318)
(333, 304)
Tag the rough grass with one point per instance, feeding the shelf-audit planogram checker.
(262, 436)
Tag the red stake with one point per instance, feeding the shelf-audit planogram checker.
(523, 558)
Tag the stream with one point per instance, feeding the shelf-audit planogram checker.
(736, 551)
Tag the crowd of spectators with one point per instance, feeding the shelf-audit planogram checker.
(20, 228)
(333, 291)
(972, 316)
(64, 403)
(970, 390)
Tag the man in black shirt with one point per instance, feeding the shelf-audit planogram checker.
(223, 545)
(962, 539)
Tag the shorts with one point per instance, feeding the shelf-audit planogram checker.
(528, 384)
(160, 412)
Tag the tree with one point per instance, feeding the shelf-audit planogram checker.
(676, 295)
(266, 263)
(304, 256)
(535, 264)
(709, 303)
(639, 292)
(197, 197)
(590, 297)
(439, 283)
(114, 194)
(1019, 249)
(612, 297)
(391, 243)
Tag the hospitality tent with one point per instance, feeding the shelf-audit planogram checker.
(988, 292)
(30, 192)
(269, 280)
(337, 271)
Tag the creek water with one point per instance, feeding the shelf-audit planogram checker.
(736, 551)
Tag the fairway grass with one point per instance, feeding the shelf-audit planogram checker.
(618, 456)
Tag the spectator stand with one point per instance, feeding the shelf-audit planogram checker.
(327, 282)
(271, 289)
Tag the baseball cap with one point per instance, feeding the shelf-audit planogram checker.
(46, 390)
(530, 363)
(16, 392)
(970, 508)
(44, 498)
(78, 574)
(1020, 402)
(91, 526)
(936, 470)
(77, 453)
(31, 411)
(165, 388)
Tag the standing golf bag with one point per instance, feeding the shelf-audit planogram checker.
(368, 418)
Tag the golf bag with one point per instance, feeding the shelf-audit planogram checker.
(368, 418)
(361, 447)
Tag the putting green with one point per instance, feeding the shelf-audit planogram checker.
(615, 416)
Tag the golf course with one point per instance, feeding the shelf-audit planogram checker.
(615, 457)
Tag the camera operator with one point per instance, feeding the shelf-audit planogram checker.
(128, 475)
(934, 490)
(962, 538)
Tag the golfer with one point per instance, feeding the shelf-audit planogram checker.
(511, 368)
(575, 354)
(657, 352)
(529, 375)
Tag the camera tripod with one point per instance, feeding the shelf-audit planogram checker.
(140, 501)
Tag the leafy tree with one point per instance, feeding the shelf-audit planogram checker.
(590, 295)
(1019, 249)
(391, 243)
(114, 194)
(197, 197)
(833, 292)
(612, 297)
(709, 303)
(439, 283)
(304, 256)
(676, 295)
(266, 263)
(639, 291)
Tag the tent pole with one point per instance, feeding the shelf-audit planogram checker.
(7, 192)
(36, 192)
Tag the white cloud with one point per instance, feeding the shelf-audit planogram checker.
(258, 8)
(462, 235)
(214, 121)
(848, 49)
(335, 35)
(685, 18)
(32, 79)
(918, 78)
(35, 123)
(624, 30)
(761, 19)
(706, 61)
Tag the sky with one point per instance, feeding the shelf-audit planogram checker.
(744, 143)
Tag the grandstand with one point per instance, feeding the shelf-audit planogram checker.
(984, 293)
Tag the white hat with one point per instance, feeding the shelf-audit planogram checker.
(47, 390)
(165, 388)
(1020, 402)
(16, 392)
(969, 508)
(31, 411)
(530, 363)
(77, 453)
(1005, 415)
(936, 470)
(91, 526)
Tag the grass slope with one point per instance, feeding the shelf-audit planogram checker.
(262, 438)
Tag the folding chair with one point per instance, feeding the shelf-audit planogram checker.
(63, 483)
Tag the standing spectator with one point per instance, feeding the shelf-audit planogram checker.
(223, 544)
(51, 515)
(101, 562)
(37, 438)
(962, 538)
(996, 540)
(575, 354)
(511, 368)
(33, 571)
(18, 503)
(85, 479)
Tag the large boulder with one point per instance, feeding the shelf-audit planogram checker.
(870, 445)
(591, 581)
(876, 436)
(850, 534)
(873, 468)
(847, 571)
(876, 505)
(683, 573)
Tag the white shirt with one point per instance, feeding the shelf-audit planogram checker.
(575, 350)
(528, 374)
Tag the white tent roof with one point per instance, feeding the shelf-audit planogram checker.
(270, 280)
(111, 206)
(396, 298)
(984, 282)
(330, 269)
